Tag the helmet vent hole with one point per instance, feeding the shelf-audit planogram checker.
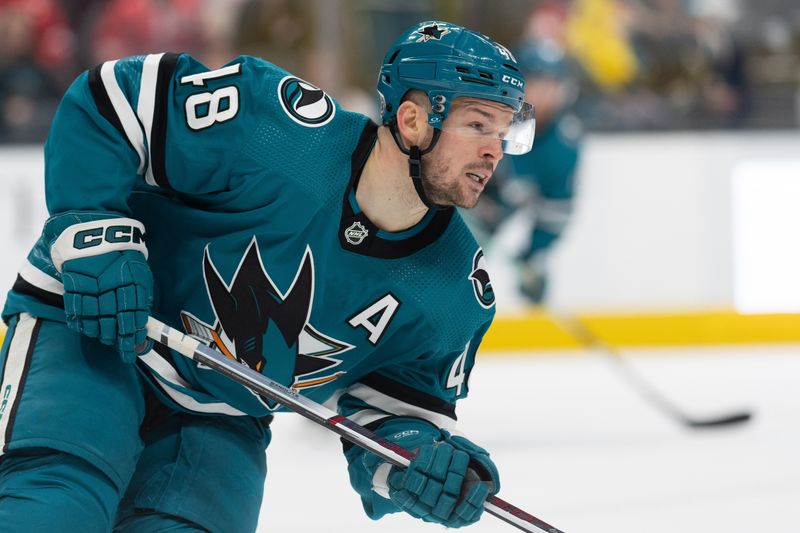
(462, 70)
(512, 67)
(480, 81)
(486, 75)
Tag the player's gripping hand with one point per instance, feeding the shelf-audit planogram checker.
(446, 483)
(533, 277)
(108, 297)
(108, 286)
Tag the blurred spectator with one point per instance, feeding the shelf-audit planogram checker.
(35, 43)
(600, 34)
(548, 21)
(280, 31)
(725, 97)
(597, 36)
(644, 64)
(131, 27)
(692, 61)
(689, 66)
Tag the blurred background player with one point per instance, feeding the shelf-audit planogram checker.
(536, 190)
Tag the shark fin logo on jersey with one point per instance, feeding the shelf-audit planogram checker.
(481, 283)
(261, 327)
(304, 103)
(432, 32)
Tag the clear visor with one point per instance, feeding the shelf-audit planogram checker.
(486, 120)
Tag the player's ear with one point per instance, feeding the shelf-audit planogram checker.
(412, 123)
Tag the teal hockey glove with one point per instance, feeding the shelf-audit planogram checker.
(447, 483)
(108, 286)
(108, 297)
(533, 277)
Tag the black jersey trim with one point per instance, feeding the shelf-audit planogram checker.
(103, 102)
(374, 245)
(12, 415)
(158, 133)
(22, 286)
(408, 394)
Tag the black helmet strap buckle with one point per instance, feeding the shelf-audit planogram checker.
(415, 154)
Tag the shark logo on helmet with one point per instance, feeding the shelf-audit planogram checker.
(432, 32)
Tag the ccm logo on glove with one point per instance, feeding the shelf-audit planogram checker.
(98, 237)
(113, 234)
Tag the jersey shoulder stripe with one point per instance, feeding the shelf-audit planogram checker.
(144, 129)
(103, 101)
(122, 107)
(157, 74)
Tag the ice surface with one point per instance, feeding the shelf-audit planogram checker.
(577, 447)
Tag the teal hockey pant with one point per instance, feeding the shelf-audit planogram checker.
(74, 455)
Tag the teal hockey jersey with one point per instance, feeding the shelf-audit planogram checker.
(550, 169)
(244, 178)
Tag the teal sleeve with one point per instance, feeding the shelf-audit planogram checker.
(158, 123)
(89, 165)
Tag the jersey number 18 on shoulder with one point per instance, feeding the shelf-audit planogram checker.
(205, 109)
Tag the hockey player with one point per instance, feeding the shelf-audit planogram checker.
(548, 173)
(244, 206)
(541, 184)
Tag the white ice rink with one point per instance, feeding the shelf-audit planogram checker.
(578, 448)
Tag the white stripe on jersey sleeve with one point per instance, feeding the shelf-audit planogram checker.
(40, 279)
(398, 407)
(124, 111)
(168, 378)
(367, 416)
(147, 104)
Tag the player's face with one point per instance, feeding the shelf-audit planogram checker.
(548, 94)
(469, 148)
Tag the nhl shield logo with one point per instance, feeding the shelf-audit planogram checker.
(304, 103)
(356, 233)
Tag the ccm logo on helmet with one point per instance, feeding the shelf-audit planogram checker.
(513, 81)
(112, 234)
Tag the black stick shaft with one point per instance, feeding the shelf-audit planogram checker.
(656, 399)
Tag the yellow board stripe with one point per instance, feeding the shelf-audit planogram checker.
(534, 329)
(716, 327)
(539, 330)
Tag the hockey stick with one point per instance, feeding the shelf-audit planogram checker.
(658, 400)
(262, 385)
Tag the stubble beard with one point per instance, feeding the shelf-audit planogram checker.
(444, 191)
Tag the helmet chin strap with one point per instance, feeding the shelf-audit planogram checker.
(415, 162)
